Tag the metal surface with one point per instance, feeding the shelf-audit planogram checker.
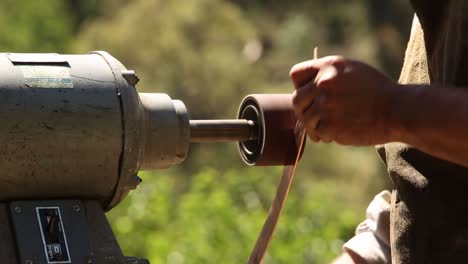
(75, 126)
(223, 130)
(49, 129)
(30, 234)
(167, 136)
(8, 253)
(275, 144)
(105, 248)
(131, 132)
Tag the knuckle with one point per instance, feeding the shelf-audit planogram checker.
(295, 70)
(339, 140)
(338, 60)
(342, 141)
(313, 136)
(328, 79)
(295, 99)
(326, 136)
(292, 73)
(327, 85)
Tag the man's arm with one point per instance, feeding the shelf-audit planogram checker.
(351, 103)
(433, 119)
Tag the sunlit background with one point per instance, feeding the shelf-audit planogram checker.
(210, 54)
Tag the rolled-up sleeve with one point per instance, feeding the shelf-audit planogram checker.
(372, 239)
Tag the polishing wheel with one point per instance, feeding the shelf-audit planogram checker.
(264, 130)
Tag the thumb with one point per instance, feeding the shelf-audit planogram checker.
(306, 71)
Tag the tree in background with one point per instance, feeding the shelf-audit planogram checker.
(42, 26)
(29, 26)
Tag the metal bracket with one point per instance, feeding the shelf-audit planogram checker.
(51, 232)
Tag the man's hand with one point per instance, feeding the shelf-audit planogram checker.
(343, 100)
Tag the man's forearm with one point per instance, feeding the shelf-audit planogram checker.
(432, 119)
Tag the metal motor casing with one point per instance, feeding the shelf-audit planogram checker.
(74, 126)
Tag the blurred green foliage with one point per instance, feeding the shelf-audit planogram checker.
(219, 218)
(28, 26)
(210, 54)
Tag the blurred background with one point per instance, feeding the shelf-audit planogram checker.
(210, 54)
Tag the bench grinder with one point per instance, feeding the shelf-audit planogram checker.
(75, 133)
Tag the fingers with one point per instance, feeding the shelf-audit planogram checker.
(316, 122)
(303, 97)
(306, 71)
(324, 132)
(311, 118)
(303, 73)
(312, 80)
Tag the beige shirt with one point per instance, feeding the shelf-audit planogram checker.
(372, 239)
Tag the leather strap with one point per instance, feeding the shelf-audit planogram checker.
(263, 241)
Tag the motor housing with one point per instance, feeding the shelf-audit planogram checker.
(74, 126)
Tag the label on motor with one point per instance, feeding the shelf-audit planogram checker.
(53, 235)
(42, 76)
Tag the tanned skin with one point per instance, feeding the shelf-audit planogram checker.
(351, 103)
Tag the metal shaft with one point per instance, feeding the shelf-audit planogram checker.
(222, 130)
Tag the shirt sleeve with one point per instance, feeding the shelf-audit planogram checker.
(372, 239)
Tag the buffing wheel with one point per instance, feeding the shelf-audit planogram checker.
(275, 144)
